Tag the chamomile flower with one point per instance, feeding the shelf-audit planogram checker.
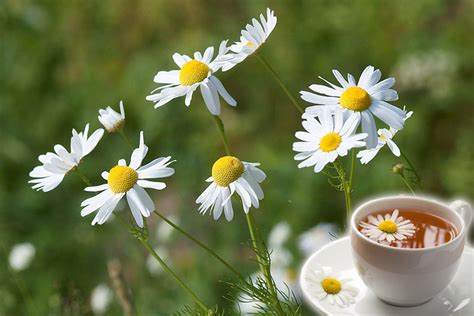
(252, 37)
(385, 138)
(197, 72)
(112, 120)
(129, 181)
(364, 99)
(390, 227)
(328, 285)
(56, 165)
(230, 175)
(326, 138)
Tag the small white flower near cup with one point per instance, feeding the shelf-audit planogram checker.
(328, 285)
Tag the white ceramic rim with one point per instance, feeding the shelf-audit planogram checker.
(407, 197)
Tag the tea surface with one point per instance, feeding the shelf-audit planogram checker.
(430, 230)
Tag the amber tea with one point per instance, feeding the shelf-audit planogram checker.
(407, 228)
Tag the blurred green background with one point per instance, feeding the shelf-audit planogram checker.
(62, 61)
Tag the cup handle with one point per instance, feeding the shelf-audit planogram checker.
(464, 209)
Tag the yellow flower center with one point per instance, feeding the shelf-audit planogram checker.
(388, 227)
(331, 286)
(330, 142)
(193, 72)
(355, 99)
(226, 170)
(121, 179)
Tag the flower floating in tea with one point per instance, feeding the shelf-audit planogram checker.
(390, 227)
(327, 284)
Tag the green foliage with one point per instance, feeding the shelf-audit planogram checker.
(62, 61)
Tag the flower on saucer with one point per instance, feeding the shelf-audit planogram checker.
(390, 227)
(252, 37)
(112, 120)
(197, 72)
(385, 138)
(56, 165)
(326, 138)
(130, 181)
(364, 99)
(328, 285)
(230, 175)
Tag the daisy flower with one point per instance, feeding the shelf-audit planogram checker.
(327, 285)
(364, 99)
(230, 175)
(112, 120)
(193, 73)
(390, 227)
(385, 138)
(326, 138)
(252, 37)
(129, 181)
(56, 165)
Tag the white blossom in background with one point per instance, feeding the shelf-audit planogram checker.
(164, 231)
(434, 71)
(21, 256)
(152, 265)
(100, 299)
(315, 238)
(280, 255)
(112, 120)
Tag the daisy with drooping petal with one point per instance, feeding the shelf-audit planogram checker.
(385, 138)
(390, 227)
(328, 285)
(326, 138)
(56, 165)
(230, 175)
(193, 73)
(364, 99)
(252, 37)
(112, 120)
(129, 181)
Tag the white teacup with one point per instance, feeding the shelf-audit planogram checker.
(402, 276)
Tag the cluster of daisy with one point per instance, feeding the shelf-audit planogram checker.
(331, 124)
(123, 180)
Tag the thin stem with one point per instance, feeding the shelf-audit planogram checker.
(408, 184)
(206, 248)
(125, 138)
(412, 168)
(83, 177)
(353, 159)
(347, 188)
(220, 126)
(264, 268)
(173, 275)
(280, 82)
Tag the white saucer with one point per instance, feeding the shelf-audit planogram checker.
(456, 299)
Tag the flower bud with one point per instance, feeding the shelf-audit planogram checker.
(398, 168)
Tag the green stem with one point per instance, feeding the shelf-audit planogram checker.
(220, 126)
(280, 82)
(412, 168)
(124, 136)
(206, 248)
(83, 177)
(353, 159)
(408, 184)
(264, 266)
(347, 188)
(174, 276)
